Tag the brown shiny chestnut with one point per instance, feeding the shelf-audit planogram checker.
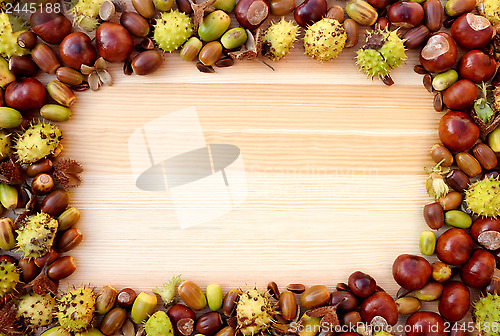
(405, 14)
(477, 272)
(380, 304)
(439, 54)
(477, 66)
(77, 49)
(454, 246)
(251, 13)
(310, 11)
(425, 323)
(460, 95)
(472, 31)
(50, 26)
(27, 94)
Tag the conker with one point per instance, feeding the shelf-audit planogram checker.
(425, 323)
(454, 302)
(454, 246)
(251, 13)
(344, 300)
(457, 131)
(380, 304)
(411, 272)
(114, 42)
(310, 11)
(477, 66)
(77, 49)
(472, 31)
(27, 94)
(439, 54)
(406, 14)
(477, 272)
(50, 26)
(484, 224)
(460, 95)
(361, 284)
(178, 312)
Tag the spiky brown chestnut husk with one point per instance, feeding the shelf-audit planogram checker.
(67, 172)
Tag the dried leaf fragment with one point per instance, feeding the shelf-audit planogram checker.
(199, 11)
(42, 284)
(67, 172)
(252, 48)
(8, 325)
(12, 172)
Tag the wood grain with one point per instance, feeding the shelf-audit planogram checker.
(334, 166)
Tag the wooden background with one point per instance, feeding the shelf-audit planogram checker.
(334, 163)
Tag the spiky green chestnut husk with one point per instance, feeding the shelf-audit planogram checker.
(383, 51)
(5, 145)
(9, 277)
(85, 13)
(280, 38)
(483, 197)
(172, 30)
(325, 39)
(490, 9)
(10, 28)
(36, 310)
(167, 291)
(36, 236)
(382, 333)
(159, 324)
(486, 314)
(39, 141)
(76, 308)
(254, 312)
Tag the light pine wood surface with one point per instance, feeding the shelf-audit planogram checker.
(333, 161)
